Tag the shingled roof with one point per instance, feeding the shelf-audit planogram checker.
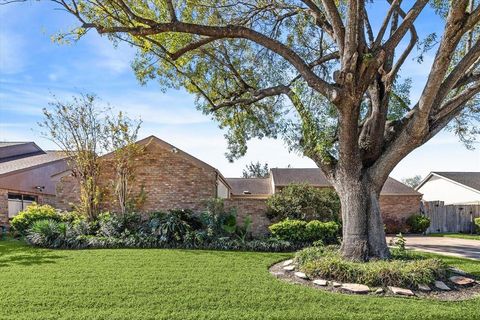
(29, 162)
(315, 177)
(250, 186)
(468, 179)
(15, 150)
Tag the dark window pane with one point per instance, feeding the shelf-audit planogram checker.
(29, 198)
(13, 196)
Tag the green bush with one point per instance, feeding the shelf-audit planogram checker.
(289, 230)
(304, 202)
(298, 231)
(47, 233)
(477, 225)
(418, 223)
(25, 219)
(329, 264)
(217, 221)
(311, 254)
(326, 232)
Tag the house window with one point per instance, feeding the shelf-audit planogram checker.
(18, 202)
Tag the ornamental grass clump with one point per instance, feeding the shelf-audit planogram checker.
(327, 263)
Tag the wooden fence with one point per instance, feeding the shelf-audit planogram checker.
(450, 218)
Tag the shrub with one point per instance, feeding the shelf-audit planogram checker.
(301, 201)
(175, 226)
(309, 254)
(172, 228)
(289, 230)
(329, 264)
(324, 231)
(47, 233)
(217, 221)
(418, 223)
(298, 231)
(25, 219)
(395, 225)
(477, 225)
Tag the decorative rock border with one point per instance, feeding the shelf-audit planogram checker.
(460, 286)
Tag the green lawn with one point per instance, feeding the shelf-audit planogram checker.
(184, 284)
(456, 235)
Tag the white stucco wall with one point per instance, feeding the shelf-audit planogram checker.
(439, 189)
(222, 190)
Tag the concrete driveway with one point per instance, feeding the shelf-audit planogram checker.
(448, 246)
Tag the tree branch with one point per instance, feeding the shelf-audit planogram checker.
(171, 10)
(320, 18)
(231, 31)
(407, 22)
(256, 96)
(336, 22)
(393, 7)
(192, 46)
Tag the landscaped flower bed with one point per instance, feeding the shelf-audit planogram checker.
(405, 274)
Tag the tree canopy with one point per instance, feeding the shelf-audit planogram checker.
(256, 170)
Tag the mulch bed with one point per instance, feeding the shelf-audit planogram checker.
(457, 293)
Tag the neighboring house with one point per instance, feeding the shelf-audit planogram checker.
(168, 177)
(451, 187)
(397, 200)
(25, 176)
(173, 179)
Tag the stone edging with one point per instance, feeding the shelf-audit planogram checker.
(459, 287)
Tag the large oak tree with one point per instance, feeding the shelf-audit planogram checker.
(316, 73)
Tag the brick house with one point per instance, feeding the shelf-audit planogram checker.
(169, 177)
(397, 200)
(25, 176)
(172, 179)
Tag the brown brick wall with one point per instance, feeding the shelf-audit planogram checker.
(256, 208)
(3, 207)
(41, 199)
(396, 209)
(68, 192)
(169, 181)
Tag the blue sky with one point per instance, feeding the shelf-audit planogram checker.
(32, 68)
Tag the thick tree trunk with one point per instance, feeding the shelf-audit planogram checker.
(363, 231)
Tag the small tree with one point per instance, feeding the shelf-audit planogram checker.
(256, 170)
(123, 133)
(301, 201)
(77, 128)
(84, 131)
(412, 181)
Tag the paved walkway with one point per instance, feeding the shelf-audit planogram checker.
(448, 246)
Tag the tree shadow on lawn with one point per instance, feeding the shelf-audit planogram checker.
(15, 252)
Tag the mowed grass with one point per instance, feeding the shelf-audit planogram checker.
(185, 284)
(456, 235)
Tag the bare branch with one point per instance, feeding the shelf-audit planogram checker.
(401, 60)
(448, 44)
(461, 68)
(407, 22)
(393, 7)
(455, 102)
(336, 22)
(320, 18)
